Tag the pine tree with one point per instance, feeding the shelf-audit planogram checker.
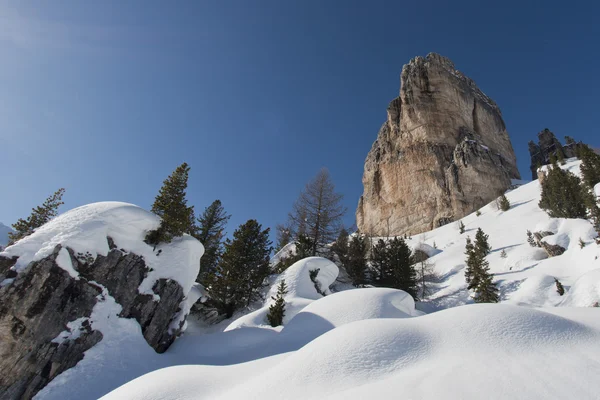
(481, 242)
(378, 258)
(393, 266)
(503, 203)
(470, 273)
(559, 287)
(403, 274)
(478, 213)
(171, 206)
(242, 270)
(560, 157)
(530, 239)
(318, 212)
(211, 227)
(341, 247)
(581, 243)
(486, 291)
(563, 196)
(38, 217)
(503, 254)
(461, 227)
(477, 273)
(356, 264)
(590, 166)
(277, 309)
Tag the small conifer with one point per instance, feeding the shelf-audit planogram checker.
(171, 206)
(478, 213)
(503, 254)
(461, 227)
(481, 242)
(581, 243)
(559, 287)
(38, 217)
(504, 203)
(277, 309)
(530, 239)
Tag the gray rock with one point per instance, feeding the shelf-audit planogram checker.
(36, 307)
(442, 153)
(540, 153)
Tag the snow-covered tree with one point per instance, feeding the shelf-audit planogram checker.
(481, 242)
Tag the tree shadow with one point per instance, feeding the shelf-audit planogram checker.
(515, 205)
(506, 247)
(506, 289)
(515, 271)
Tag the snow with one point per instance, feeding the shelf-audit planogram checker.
(372, 343)
(63, 260)
(470, 352)
(85, 229)
(301, 291)
(585, 292)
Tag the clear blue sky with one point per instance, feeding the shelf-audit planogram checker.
(106, 98)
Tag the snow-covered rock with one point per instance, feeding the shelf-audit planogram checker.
(585, 292)
(72, 281)
(301, 290)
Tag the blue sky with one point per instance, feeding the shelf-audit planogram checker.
(107, 98)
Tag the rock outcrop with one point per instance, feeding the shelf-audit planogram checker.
(548, 145)
(442, 153)
(38, 303)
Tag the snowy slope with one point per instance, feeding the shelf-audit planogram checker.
(373, 343)
(526, 276)
(4, 231)
(470, 352)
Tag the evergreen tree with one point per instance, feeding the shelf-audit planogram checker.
(277, 309)
(560, 157)
(504, 203)
(404, 276)
(461, 227)
(481, 242)
(486, 291)
(341, 247)
(379, 263)
(38, 217)
(477, 274)
(356, 264)
(171, 206)
(211, 230)
(503, 254)
(478, 213)
(530, 239)
(242, 270)
(559, 287)
(590, 166)
(562, 195)
(470, 273)
(318, 212)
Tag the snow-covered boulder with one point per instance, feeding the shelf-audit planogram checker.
(301, 290)
(64, 284)
(585, 292)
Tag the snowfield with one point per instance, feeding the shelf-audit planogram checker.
(365, 343)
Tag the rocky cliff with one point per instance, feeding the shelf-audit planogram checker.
(442, 153)
(548, 145)
(55, 286)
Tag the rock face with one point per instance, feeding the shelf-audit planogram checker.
(547, 145)
(442, 153)
(36, 307)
